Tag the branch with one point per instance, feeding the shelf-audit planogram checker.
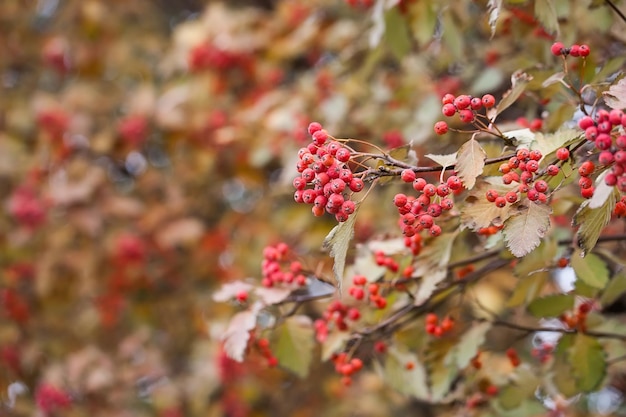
(530, 329)
(615, 9)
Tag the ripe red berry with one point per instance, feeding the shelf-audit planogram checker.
(488, 100)
(356, 185)
(511, 197)
(585, 122)
(343, 155)
(441, 128)
(557, 49)
(314, 127)
(454, 183)
(500, 202)
(587, 192)
(586, 168)
(552, 170)
(574, 50)
(407, 175)
(491, 195)
(462, 101)
(242, 296)
(448, 109)
(466, 116)
(476, 103)
(419, 184)
(541, 186)
(400, 200)
(562, 154)
(585, 182)
(447, 99)
(584, 50)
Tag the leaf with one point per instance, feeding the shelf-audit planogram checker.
(592, 221)
(549, 143)
(470, 162)
(378, 24)
(470, 343)
(521, 138)
(601, 193)
(423, 21)
(591, 269)
(407, 381)
(551, 305)
(443, 160)
(338, 242)
(528, 289)
(615, 289)
(432, 264)
(397, 33)
(615, 97)
(494, 7)
(230, 290)
(524, 230)
(519, 81)
(588, 362)
(334, 343)
(524, 385)
(546, 14)
(479, 212)
(439, 361)
(428, 285)
(553, 79)
(272, 295)
(238, 332)
(294, 344)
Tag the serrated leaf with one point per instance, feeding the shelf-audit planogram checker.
(521, 138)
(591, 269)
(551, 305)
(407, 381)
(431, 265)
(592, 221)
(494, 7)
(338, 242)
(519, 81)
(443, 160)
(470, 343)
(238, 332)
(428, 285)
(524, 230)
(397, 33)
(601, 193)
(615, 289)
(546, 14)
(294, 344)
(588, 362)
(615, 97)
(549, 143)
(470, 162)
(479, 212)
(230, 290)
(524, 385)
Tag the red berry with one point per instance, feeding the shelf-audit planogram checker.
(541, 186)
(466, 116)
(586, 168)
(500, 202)
(557, 49)
(447, 99)
(476, 103)
(419, 184)
(400, 200)
(552, 170)
(587, 192)
(407, 175)
(242, 296)
(584, 50)
(448, 109)
(454, 183)
(356, 185)
(441, 128)
(562, 154)
(511, 197)
(462, 102)
(574, 50)
(488, 100)
(585, 122)
(585, 182)
(314, 127)
(491, 195)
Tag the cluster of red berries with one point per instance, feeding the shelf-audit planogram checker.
(575, 50)
(209, 56)
(620, 207)
(585, 182)
(387, 261)
(360, 287)
(578, 319)
(335, 316)
(467, 107)
(323, 166)
(435, 327)
(522, 168)
(264, 347)
(599, 130)
(513, 357)
(346, 366)
(277, 269)
(543, 353)
(419, 213)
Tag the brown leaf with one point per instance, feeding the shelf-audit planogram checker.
(615, 97)
(470, 162)
(238, 332)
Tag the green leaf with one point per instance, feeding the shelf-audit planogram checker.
(545, 13)
(294, 344)
(338, 242)
(470, 162)
(588, 362)
(524, 230)
(407, 381)
(439, 362)
(593, 220)
(519, 81)
(528, 289)
(551, 305)
(523, 386)
(470, 343)
(615, 97)
(397, 33)
(423, 21)
(591, 269)
(549, 143)
(615, 289)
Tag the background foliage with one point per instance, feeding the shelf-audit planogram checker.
(147, 151)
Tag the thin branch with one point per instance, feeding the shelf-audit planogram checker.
(531, 329)
(615, 9)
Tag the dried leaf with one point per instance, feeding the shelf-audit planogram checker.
(601, 193)
(338, 242)
(592, 221)
(479, 212)
(470, 162)
(519, 81)
(428, 285)
(238, 332)
(494, 7)
(546, 14)
(294, 344)
(553, 79)
(549, 143)
(334, 343)
(591, 269)
(470, 343)
(443, 160)
(615, 97)
(588, 362)
(439, 361)
(432, 264)
(524, 230)
(230, 290)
